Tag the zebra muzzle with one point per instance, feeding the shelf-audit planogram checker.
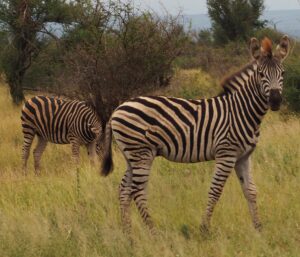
(275, 99)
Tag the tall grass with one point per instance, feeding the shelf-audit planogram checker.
(62, 213)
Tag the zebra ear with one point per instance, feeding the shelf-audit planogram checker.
(282, 50)
(255, 48)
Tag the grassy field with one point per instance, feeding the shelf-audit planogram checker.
(65, 213)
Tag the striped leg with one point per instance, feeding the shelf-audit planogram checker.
(140, 163)
(125, 198)
(243, 172)
(28, 139)
(37, 153)
(222, 171)
(75, 151)
(139, 194)
(91, 148)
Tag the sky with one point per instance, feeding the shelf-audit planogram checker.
(199, 6)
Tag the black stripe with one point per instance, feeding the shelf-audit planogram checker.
(236, 125)
(151, 121)
(202, 118)
(129, 125)
(185, 105)
(129, 137)
(41, 124)
(207, 129)
(168, 118)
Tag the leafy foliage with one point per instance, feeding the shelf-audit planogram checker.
(20, 22)
(292, 82)
(235, 19)
(114, 52)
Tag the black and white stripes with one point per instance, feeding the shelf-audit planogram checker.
(224, 128)
(61, 122)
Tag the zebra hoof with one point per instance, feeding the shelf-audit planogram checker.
(154, 232)
(204, 230)
(37, 172)
(25, 173)
(258, 226)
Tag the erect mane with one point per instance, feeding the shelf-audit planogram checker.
(226, 81)
(266, 46)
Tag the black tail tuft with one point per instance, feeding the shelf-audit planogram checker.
(107, 161)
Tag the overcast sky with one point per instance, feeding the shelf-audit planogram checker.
(199, 6)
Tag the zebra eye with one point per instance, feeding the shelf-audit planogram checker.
(282, 73)
(262, 74)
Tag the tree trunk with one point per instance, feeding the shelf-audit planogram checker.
(16, 90)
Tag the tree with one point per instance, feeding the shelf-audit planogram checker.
(235, 19)
(21, 21)
(115, 52)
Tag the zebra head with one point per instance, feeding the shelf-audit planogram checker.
(269, 68)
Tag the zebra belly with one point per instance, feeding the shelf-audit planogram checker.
(193, 157)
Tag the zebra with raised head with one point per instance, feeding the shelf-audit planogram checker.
(59, 121)
(224, 128)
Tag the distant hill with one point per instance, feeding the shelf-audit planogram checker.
(286, 21)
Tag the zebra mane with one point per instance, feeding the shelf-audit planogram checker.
(233, 83)
(266, 46)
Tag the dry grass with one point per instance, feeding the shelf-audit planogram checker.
(65, 213)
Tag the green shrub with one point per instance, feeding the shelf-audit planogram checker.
(273, 34)
(292, 83)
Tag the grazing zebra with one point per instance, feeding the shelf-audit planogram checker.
(61, 122)
(224, 128)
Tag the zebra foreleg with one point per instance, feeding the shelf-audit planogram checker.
(75, 151)
(243, 172)
(222, 171)
(37, 153)
(125, 197)
(91, 148)
(28, 139)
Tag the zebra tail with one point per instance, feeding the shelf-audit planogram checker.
(107, 161)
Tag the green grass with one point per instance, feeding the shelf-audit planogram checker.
(65, 213)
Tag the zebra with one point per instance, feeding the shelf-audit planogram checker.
(224, 128)
(59, 121)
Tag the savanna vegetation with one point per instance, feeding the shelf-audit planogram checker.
(115, 52)
(65, 212)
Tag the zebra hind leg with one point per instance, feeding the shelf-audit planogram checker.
(243, 172)
(37, 153)
(125, 197)
(139, 161)
(222, 171)
(28, 139)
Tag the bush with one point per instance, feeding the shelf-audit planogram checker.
(217, 61)
(192, 84)
(292, 83)
(115, 53)
(274, 35)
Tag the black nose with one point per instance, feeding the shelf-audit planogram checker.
(275, 99)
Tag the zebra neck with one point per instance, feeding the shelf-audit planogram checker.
(240, 79)
(248, 102)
